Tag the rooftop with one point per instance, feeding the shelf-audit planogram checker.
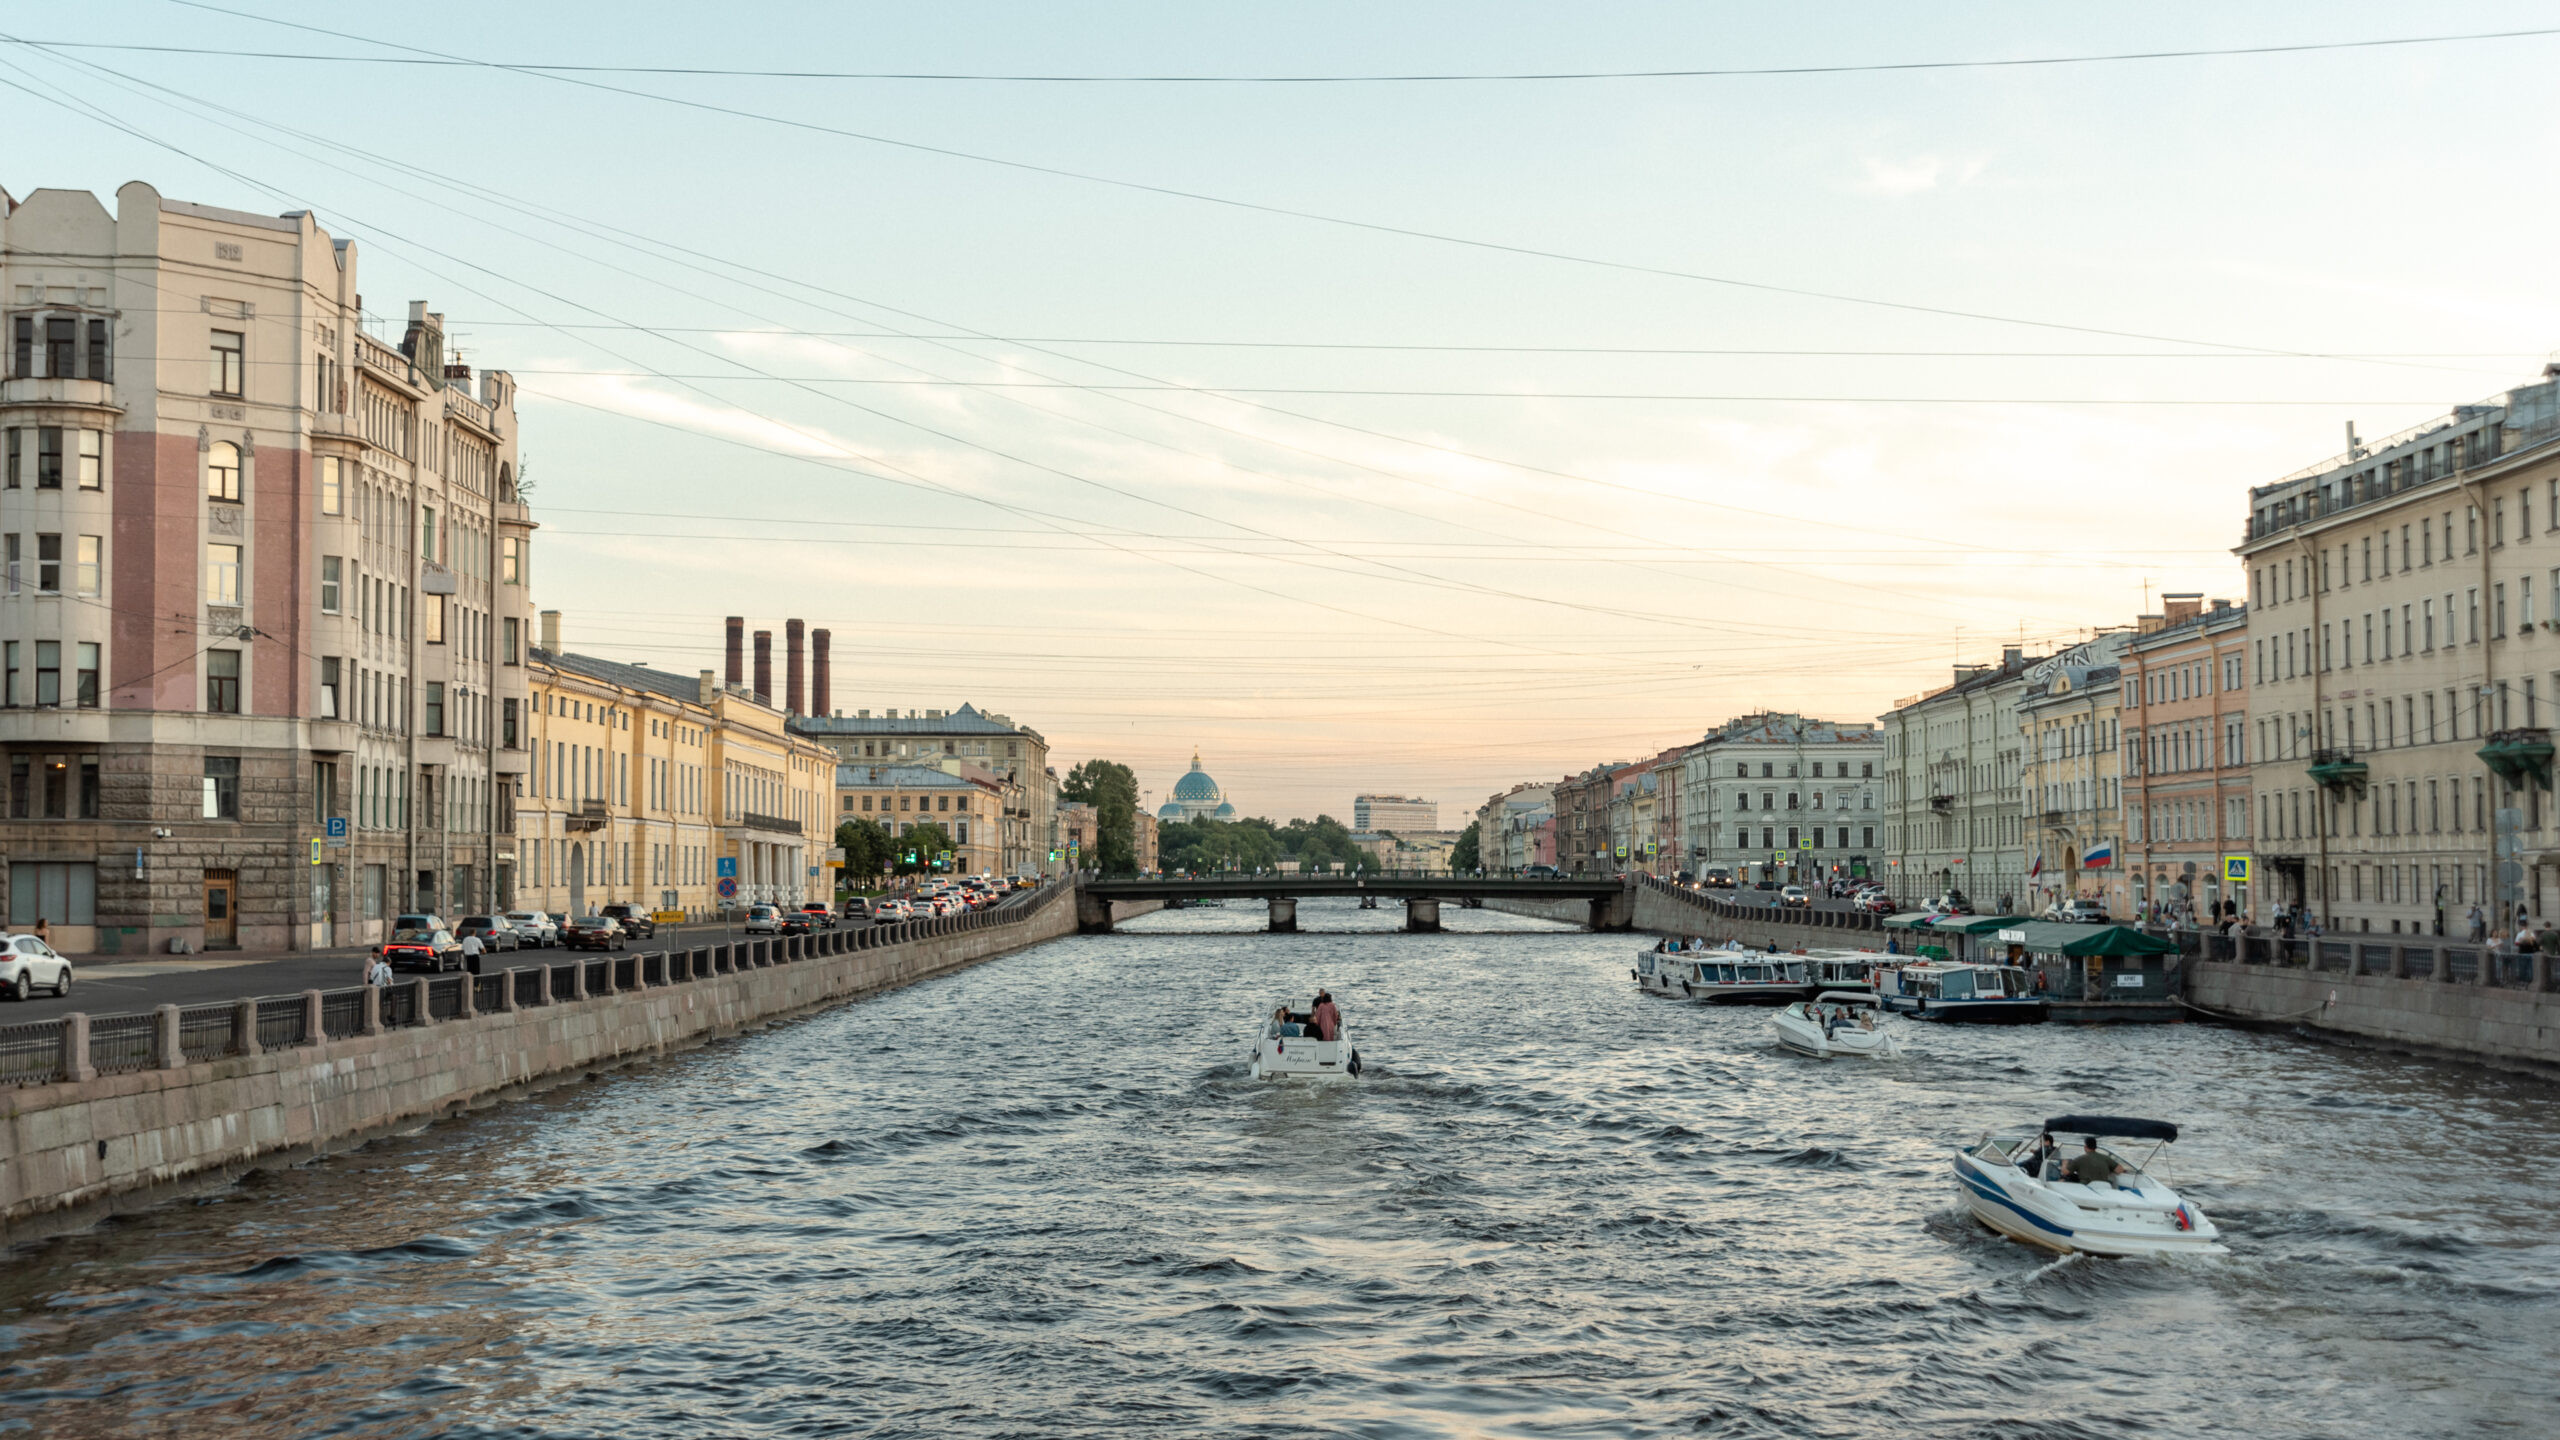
(2524, 418)
(615, 672)
(899, 777)
(967, 720)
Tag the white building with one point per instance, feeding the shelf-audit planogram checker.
(1394, 813)
(1784, 797)
(1951, 804)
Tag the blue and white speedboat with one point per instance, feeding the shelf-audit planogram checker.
(2063, 1191)
(1961, 991)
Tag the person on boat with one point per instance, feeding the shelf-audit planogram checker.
(1328, 1019)
(2089, 1167)
(2039, 1157)
(1659, 946)
(1289, 1024)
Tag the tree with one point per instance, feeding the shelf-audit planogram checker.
(919, 846)
(1112, 790)
(1464, 855)
(866, 849)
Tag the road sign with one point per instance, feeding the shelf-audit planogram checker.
(1805, 844)
(337, 827)
(728, 886)
(728, 867)
(2235, 868)
(316, 844)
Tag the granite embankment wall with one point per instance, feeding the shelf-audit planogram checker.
(2497, 1009)
(1665, 910)
(75, 1147)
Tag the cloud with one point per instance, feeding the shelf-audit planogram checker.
(1921, 172)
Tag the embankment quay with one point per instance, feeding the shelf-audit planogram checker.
(106, 1107)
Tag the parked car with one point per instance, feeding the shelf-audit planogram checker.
(494, 932)
(763, 920)
(819, 915)
(2078, 912)
(434, 950)
(1952, 903)
(595, 932)
(28, 964)
(539, 930)
(635, 921)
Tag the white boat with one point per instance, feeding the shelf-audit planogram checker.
(1836, 1022)
(1962, 992)
(2017, 1186)
(1289, 1050)
(1843, 969)
(1723, 977)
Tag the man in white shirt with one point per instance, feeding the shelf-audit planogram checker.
(471, 951)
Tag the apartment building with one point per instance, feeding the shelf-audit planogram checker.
(1025, 825)
(1783, 797)
(1397, 813)
(2070, 732)
(263, 580)
(967, 801)
(2402, 658)
(1952, 769)
(2185, 711)
(1515, 829)
(1582, 829)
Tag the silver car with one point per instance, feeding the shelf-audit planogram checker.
(27, 964)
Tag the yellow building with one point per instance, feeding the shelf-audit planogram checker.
(643, 783)
(967, 801)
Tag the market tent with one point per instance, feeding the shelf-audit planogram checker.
(2045, 937)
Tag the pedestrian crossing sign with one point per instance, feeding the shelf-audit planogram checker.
(2235, 868)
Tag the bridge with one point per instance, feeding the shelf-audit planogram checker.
(1611, 901)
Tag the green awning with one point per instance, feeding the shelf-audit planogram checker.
(1970, 924)
(1908, 920)
(2046, 937)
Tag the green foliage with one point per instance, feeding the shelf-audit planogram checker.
(1111, 789)
(917, 849)
(1210, 846)
(1464, 855)
(866, 849)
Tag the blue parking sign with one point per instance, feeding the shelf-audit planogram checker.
(728, 867)
(337, 827)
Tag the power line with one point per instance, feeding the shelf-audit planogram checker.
(1407, 78)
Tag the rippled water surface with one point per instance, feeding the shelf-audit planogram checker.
(1038, 1198)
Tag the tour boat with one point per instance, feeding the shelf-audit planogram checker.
(1722, 977)
(1961, 991)
(1836, 1022)
(1843, 969)
(1289, 1050)
(2134, 1213)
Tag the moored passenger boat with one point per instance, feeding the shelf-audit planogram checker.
(1961, 991)
(1723, 977)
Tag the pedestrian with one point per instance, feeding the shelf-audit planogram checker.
(2479, 925)
(44, 932)
(471, 948)
(378, 974)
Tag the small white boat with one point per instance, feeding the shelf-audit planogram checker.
(1289, 1050)
(1732, 976)
(2053, 1197)
(1836, 1022)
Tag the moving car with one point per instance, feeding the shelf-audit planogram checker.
(494, 932)
(29, 964)
(819, 915)
(594, 932)
(434, 950)
(891, 912)
(1719, 878)
(537, 929)
(763, 920)
(795, 922)
(1795, 898)
(635, 921)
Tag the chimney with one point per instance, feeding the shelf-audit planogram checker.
(764, 666)
(708, 690)
(2183, 606)
(551, 631)
(737, 648)
(2011, 657)
(821, 647)
(795, 673)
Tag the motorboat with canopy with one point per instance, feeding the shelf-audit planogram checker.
(1836, 1023)
(2066, 1188)
(1288, 1048)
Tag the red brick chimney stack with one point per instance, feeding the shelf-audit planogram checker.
(794, 672)
(821, 642)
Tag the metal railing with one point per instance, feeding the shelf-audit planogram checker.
(208, 1032)
(31, 1054)
(120, 1044)
(444, 998)
(400, 1007)
(283, 1021)
(342, 1014)
(488, 992)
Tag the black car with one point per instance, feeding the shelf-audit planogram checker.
(634, 920)
(795, 922)
(593, 932)
(435, 950)
(819, 915)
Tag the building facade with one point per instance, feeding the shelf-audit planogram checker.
(1396, 813)
(265, 588)
(1016, 755)
(1782, 797)
(1952, 807)
(965, 800)
(2185, 709)
(2402, 659)
(1515, 829)
(1582, 821)
(2070, 732)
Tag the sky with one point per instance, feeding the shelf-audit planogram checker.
(1417, 437)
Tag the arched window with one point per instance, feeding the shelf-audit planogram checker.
(222, 471)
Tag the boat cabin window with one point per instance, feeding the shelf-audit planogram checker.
(1956, 985)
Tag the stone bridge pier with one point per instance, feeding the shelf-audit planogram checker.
(1615, 912)
(1421, 917)
(1093, 913)
(1284, 915)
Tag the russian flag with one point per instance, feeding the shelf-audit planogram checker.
(2099, 855)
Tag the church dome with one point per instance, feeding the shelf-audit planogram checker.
(1196, 788)
(1172, 810)
(1223, 812)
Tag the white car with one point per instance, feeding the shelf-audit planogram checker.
(763, 920)
(537, 929)
(29, 964)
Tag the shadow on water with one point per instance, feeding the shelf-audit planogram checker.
(1039, 1198)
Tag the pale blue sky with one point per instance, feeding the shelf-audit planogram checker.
(1422, 593)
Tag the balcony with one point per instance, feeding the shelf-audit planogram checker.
(65, 393)
(1942, 803)
(2056, 820)
(2340, 772)
(589, 815)
(2520, 757)
(771, 824)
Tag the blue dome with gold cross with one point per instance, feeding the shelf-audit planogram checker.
(1196, 796)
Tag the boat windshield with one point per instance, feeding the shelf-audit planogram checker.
(1956, 985)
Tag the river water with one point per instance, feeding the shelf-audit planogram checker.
(1038, 1198)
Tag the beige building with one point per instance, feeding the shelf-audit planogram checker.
(1953, 810)
(967, 801)
(2402, 659)
(1784, 797)
(2184, 701)
(642, 783)
(1016, 755)
(263, 607)
(2070, 732)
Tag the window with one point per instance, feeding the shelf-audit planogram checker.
(511, 560)
(435, 707)
(9, 673)
(61, 345)
(221, 574)
(92, 459)
(427, 532)
(98, 350)
(507, 724)
(56, 892)
(17, 459)
(333, 499)
(226, 362)
(328, 687)
(49, 457)
(222, 787)
(434, 617)
(331, 571)
(48, 672)
(222, 684)
(89, 569)
(49, 564)
(222, 470)
(22, 345)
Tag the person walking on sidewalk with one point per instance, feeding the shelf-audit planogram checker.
(2479, 925)
(471, 949)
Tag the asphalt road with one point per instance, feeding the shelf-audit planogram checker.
(144, 982)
